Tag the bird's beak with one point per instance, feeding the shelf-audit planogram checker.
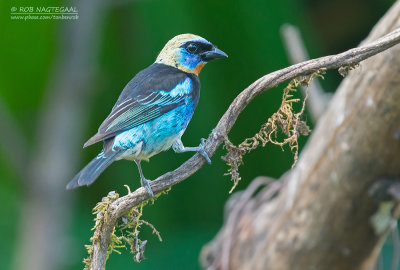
(213, 54)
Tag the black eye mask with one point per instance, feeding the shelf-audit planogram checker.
(197, 47)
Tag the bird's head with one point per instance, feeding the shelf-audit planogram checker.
(189, 53)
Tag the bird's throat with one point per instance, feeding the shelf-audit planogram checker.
(196, 70)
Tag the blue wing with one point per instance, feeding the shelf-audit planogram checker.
(134, 111)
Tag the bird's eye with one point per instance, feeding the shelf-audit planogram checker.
(192, 48)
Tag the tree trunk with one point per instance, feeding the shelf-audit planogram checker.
(337, 205)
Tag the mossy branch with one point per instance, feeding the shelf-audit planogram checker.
(124, 233)
(284, 121)
(118, 208)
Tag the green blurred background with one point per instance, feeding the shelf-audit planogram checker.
(129, 36)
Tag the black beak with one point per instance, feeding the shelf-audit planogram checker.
(213, 54)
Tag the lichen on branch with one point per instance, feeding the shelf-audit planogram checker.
(285, 121)
(125, 233)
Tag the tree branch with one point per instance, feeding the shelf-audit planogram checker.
(318, 99)
(120, 206)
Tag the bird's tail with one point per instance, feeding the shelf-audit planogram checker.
(95, 167)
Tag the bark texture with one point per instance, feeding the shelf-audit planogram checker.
(336, 206)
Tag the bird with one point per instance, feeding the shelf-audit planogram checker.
(153, 110)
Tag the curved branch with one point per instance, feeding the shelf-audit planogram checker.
(318, 100)
(120, 206)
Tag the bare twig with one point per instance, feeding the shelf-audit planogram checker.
(123, 204)
(318, 99)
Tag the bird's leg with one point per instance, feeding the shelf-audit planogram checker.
(145, 183)
(179, 148)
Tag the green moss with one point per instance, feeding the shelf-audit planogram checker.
(125, 233)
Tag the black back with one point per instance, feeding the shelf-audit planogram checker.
(156, 77)
(142, 87)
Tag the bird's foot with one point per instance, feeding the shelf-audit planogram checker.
(180, 148)
(203, 152)
(146, 184)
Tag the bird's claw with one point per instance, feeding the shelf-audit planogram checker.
(146, 185)
(203, 152)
